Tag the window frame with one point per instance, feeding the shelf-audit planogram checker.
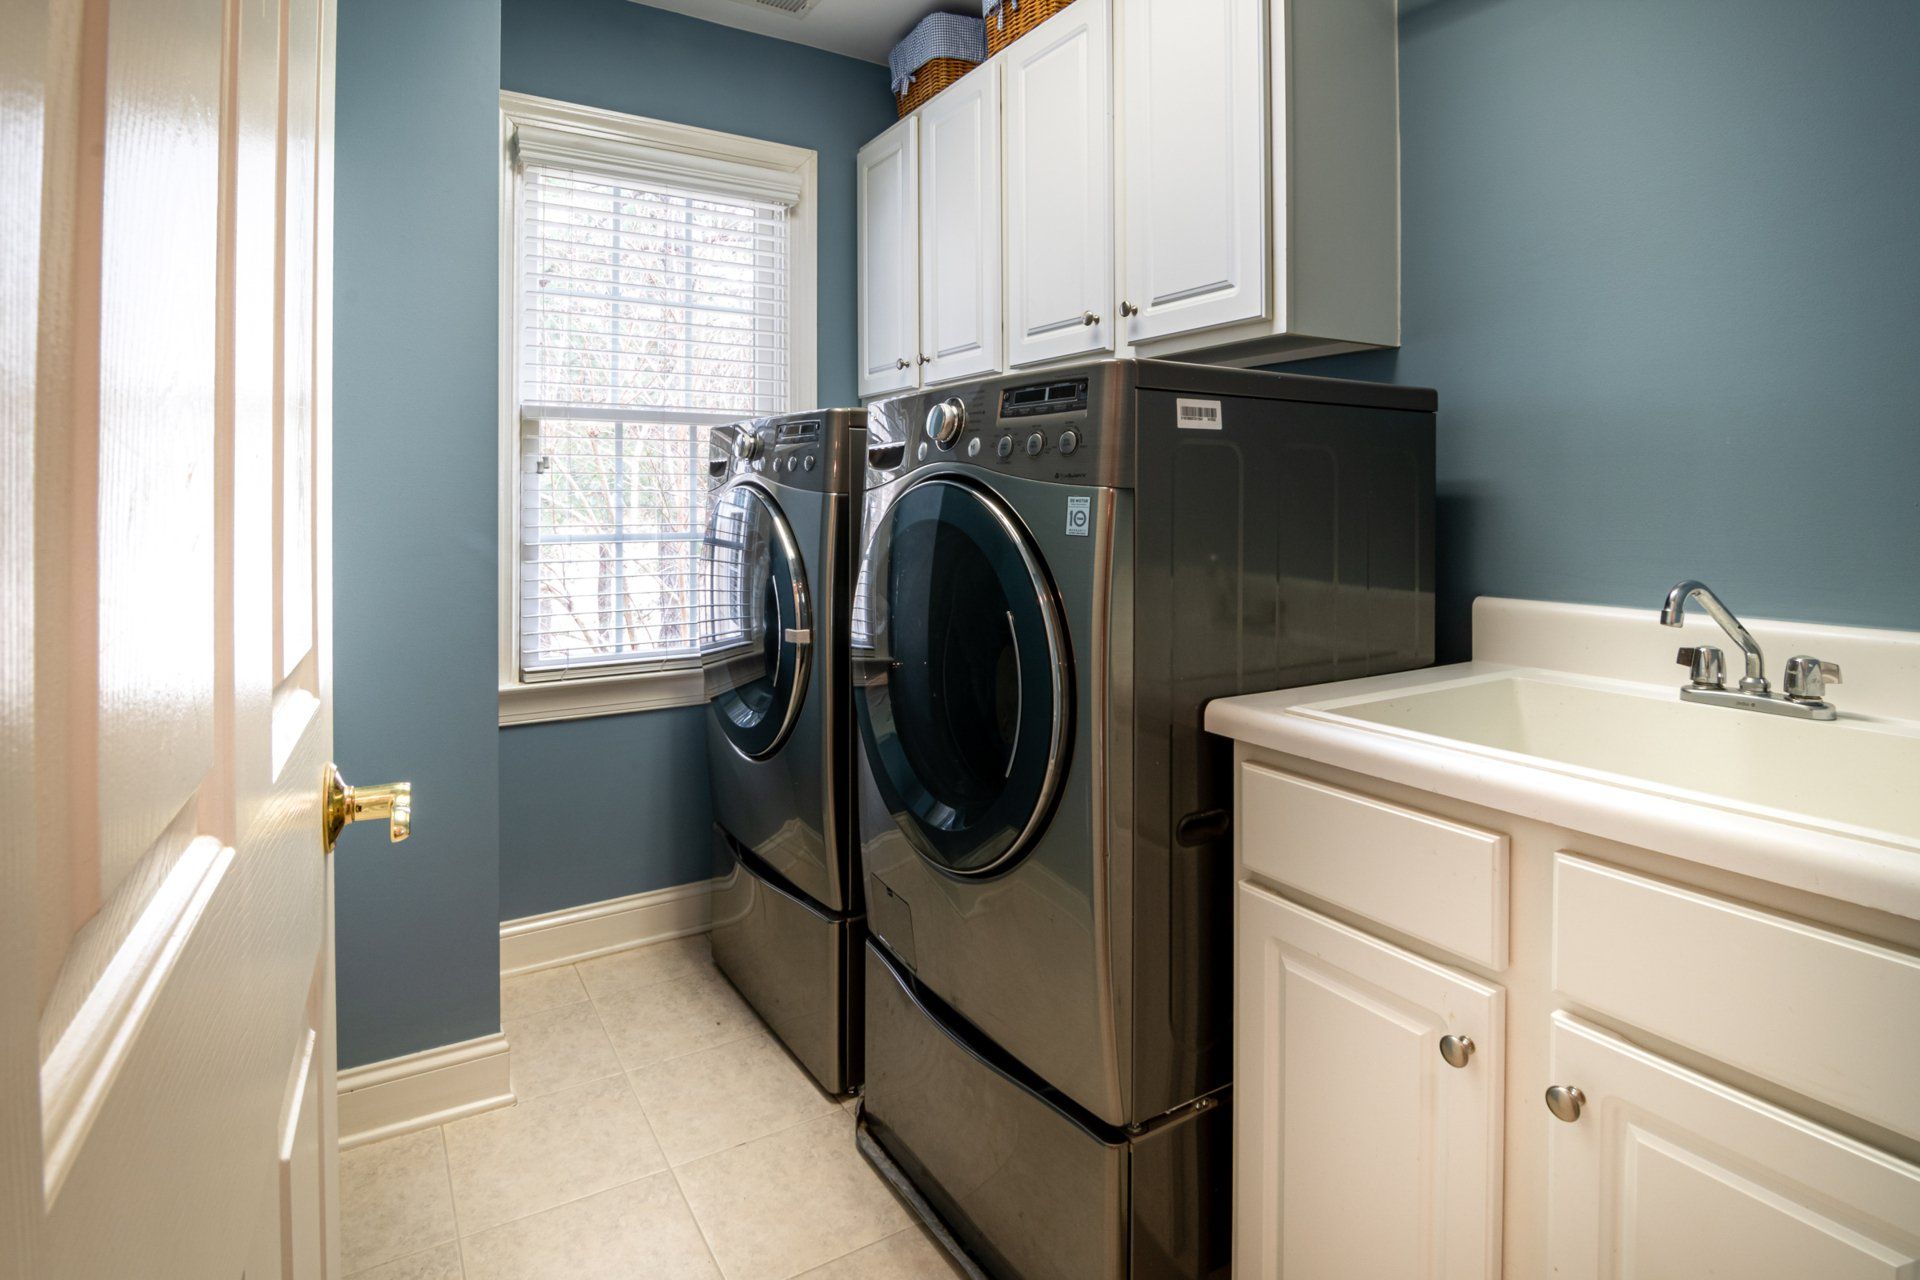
(612, 136)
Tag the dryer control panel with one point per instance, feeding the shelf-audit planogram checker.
(1043, 428)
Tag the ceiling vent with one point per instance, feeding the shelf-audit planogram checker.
(792, 8)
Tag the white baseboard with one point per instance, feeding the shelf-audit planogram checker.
(420, 1090)
(580, 933)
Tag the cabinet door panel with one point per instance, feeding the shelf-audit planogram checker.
(1358, 1150)
(960, 320)
(1194, 137)
(1059, 160)
(888, 199)
(1668, 1175)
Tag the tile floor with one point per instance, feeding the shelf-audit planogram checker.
(660, 1132)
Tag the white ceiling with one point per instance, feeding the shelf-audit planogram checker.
(864, 29)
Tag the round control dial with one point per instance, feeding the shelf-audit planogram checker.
(945, 422)
(1035, 443)
(746, 446)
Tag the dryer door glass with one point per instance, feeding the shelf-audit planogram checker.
(756, 624)
(964, 693)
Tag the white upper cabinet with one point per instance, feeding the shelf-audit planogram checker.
(960, 266)
(1194, 156)
(1368, 1088)
(888, 199)
(1059, 187)
(1664, 1172)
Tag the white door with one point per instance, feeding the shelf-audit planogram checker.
(1193, 124)
(887, 197)
(960, 320)
(166, 1019)
(1360, 1149)
(1059, 161)
(1668, 1175)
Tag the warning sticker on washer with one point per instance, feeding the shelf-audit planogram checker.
(1197, 415)
(1079, 516)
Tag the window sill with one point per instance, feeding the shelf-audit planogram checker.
(540, 701)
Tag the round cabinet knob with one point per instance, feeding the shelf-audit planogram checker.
(902, 364)
(945, 422)
(1128, 309)
(746, 446)
(1565, 1101)
(1035, 443)
(1457, 1050)
(1089, 319)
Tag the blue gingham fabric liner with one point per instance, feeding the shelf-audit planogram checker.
(938, 35)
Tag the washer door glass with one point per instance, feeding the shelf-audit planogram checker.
(964, 690)
(756, 624)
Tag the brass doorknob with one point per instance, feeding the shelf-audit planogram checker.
(341, 804)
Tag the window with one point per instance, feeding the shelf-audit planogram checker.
(652, 277)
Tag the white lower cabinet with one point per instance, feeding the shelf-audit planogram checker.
(1359, 1149)
(1669, 1175)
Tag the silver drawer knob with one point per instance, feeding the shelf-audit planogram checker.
(1565, 1101)
(1457, 1050)
(1089, 319)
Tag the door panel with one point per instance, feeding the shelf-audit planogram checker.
(888, 212)
(1059, 161)
(176, 570)
(1668, 1175)
(1358, 1150)
(1194, 131)
(756, 621)
(960, 320)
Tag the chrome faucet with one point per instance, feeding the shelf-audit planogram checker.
(1807, 678)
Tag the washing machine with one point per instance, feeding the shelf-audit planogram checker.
(1059, 571)
(776, 583)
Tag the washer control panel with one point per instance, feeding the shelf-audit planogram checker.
(1045, 428)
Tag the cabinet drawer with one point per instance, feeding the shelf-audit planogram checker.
(1829, 1016)
(1439, 881)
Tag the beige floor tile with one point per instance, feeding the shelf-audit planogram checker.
(653, 1023)
(640, 1230)
(394, 1200)
(547, 1151)
(558, 1048)
(777, 1206)
(645, 966)
(717, 1098)
(904, 1255)
(442, 1262)
(540, 990)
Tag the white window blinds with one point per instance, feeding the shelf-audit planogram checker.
(647, 314)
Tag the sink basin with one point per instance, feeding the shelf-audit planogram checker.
(1855, 773)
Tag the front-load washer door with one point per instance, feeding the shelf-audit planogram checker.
(964, 693)
(756, 621)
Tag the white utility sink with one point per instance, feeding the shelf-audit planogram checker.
(1853, 773)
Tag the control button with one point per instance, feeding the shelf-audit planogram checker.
(1004, 448)
(945, 422)
(973, 447)
(1069, 441)
(921, 452)
(1035, 443)
(808, 462)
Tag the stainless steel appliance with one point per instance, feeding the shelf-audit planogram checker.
(776, 582)
(1059, 571)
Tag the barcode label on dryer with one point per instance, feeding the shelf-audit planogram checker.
(1197, 415)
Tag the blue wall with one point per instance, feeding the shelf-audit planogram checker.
(416, 391)
(596, 809)
(1662, 261)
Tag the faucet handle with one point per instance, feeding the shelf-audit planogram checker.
(1706, 665)
(1808, 678)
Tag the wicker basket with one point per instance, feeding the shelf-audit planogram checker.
(940, 49)
(1012, 19)
(930, 79)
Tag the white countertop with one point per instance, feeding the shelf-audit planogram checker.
(1593, 644)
